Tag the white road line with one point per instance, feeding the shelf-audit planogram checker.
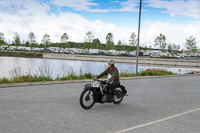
(157, 121)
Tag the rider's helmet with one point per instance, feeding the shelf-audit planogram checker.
(111, 62)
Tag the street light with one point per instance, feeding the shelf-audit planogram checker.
(138, 38)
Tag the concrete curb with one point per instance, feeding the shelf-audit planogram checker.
(85, 80)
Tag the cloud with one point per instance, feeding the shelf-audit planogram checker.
(129, 5)
(86, 5)
(23, 19)
(33, 17)
(175, 33)
(78, 5)
(189, 8)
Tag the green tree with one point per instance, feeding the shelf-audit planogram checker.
(31, 38)
(190, 44)
(86, 45)
(119, 43)
(150, 47)
(109, 38)
(160, 41)
(46, 39)
(145, 48)
(133, 39)
(123, 46)
(27, 44)
(170, 48)
(128, 49)
(175, 48)
(1, 38)
(16, 39)
(97, 43)
(89, 37)
(64, 38)
(109, 41)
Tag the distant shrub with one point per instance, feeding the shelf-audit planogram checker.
(154, 72)
(20, 54)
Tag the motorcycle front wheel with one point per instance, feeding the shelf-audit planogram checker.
(87, 99)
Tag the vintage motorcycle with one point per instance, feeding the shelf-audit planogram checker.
(99, 91)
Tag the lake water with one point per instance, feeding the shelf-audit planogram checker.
(65, 67)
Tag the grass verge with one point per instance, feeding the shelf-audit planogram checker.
(21, 54)
(43, 76)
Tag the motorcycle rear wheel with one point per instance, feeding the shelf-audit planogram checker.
(87, 99)
(118, 96)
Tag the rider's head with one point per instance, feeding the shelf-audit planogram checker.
(111, 63)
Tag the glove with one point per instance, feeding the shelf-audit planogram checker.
(107, 82)
(95, 79)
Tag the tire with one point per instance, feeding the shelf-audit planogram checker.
(87, 97)
(118, 96)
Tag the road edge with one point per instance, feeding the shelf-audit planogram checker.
(84, 80)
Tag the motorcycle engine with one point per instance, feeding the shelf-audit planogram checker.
(104, 98)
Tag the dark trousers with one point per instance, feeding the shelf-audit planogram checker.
(112, 86)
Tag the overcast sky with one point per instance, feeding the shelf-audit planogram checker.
(176, 19)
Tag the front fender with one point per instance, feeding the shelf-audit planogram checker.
(90, 88)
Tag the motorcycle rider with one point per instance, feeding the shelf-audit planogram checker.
(112, 77)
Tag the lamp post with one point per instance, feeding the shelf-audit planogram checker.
(138, 38)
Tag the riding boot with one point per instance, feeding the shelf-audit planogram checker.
(112, 98)
(104, 98)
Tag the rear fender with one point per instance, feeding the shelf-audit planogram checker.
(123, 89)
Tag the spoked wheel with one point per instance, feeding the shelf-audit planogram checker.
(87, 100)
(118, 96)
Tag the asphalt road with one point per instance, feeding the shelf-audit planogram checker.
(154, 105)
